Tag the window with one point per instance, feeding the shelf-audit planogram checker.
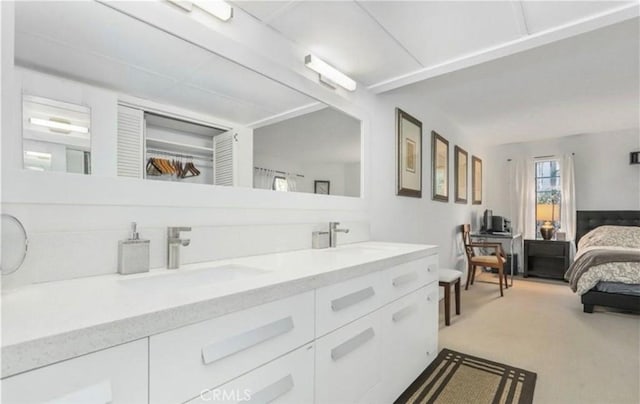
(280, 184)
(548, 193)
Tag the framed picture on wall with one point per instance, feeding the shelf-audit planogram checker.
(476, 180)
(439, 168)
(409, 145)
(460, 163)
(321, 187)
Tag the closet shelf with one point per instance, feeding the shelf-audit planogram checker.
(179, 147)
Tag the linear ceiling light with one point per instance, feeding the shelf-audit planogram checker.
(186, 5)
(329, 72)
(58, 125)
(217, 8)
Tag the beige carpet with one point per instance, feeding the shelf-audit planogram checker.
(540, 326)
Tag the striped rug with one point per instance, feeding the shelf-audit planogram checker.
(457, 378)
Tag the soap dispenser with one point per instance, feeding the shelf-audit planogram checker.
(133, 254)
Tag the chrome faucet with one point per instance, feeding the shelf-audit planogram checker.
(333, 236)
(173, 245)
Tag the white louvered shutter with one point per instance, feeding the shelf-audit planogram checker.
(130, 138)
(223, 159)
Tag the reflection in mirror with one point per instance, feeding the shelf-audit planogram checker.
(55, 136)
(175, 112)
(323, 145)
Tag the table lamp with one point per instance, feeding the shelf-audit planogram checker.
(547, 213)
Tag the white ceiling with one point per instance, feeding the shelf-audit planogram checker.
(378, 41)
(99, 45)
(585, 84)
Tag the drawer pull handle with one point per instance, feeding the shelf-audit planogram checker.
(237, 343)
(271, 392)
(96, 393)
(343, 302)
(402, 313)
(352, 344)
(404, 279)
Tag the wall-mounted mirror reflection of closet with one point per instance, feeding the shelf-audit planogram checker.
(167, 148)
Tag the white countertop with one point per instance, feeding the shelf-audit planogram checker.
(50, 322)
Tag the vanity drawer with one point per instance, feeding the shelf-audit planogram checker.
(114, 375)
(409, 276)
(338, 304)
(348, 362)
(191, 359)
(288, 379)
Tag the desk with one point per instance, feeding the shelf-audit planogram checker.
(501, 237)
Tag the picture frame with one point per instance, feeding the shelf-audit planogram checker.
(476, 180)
(409, 155)
(322, 187)
(439, 168)
(461, 162)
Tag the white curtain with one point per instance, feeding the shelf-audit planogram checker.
(568, 204)
(524, 203)
(263, 178)
(292, 184)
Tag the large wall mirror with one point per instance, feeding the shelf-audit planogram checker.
(107, 94)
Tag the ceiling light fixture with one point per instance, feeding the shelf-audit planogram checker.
(217, 8)
(328, 72)
(58, 125)
(38, 155)
(185, 5)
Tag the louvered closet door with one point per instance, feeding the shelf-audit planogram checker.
(223, 159)
(130, 138)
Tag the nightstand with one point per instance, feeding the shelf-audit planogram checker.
(546, 258)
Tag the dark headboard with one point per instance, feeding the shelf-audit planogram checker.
(587, 220)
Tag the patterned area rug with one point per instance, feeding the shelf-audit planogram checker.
(457, 378)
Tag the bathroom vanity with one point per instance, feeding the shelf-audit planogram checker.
(353, 324)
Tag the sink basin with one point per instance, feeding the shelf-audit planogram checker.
(196, 277)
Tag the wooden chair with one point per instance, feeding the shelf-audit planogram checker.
(490, 261)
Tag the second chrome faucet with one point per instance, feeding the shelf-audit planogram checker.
(173, 245)
(333, 233)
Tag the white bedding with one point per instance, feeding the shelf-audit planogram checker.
(610, 238)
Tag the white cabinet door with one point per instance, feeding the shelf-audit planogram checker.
(348, 362)
(338, 304)
(116, 375)
(409, 338)
(286, 380)
(130, 138)
(201, 356)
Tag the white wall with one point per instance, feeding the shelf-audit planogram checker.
(604, 178)
(419, 220)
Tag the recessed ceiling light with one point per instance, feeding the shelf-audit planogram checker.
(329, 72)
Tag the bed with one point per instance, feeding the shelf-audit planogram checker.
(618, 295)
